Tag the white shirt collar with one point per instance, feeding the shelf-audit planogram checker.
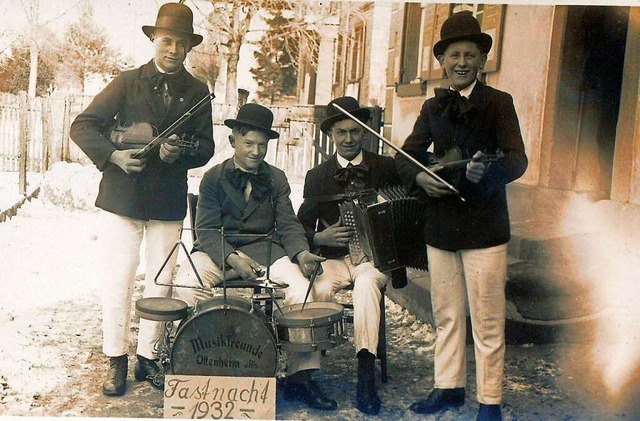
(355, 161)
(467, 91)
(241, 168)
(161, 70)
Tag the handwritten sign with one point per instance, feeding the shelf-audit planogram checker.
(218, 397)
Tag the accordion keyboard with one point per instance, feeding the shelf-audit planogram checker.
(357, 252)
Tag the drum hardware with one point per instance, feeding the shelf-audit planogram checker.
(400, 151)
(167, 310)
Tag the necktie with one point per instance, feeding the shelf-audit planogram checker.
(172, 84)
(452, 104)
(260, 183)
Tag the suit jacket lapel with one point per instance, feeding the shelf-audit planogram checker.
(480, 99)
(235, 195)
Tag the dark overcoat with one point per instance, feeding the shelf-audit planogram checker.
(159, 192)
(221, 204)
(482, 220)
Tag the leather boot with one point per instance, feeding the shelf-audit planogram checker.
(438, 400)
(116, 382)
(300, 387)
(489, 413)
(147, 369)
(367, 399)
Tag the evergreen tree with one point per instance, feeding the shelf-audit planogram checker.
(276, 73)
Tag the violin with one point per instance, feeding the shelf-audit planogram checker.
(454, 163)
(140, 134)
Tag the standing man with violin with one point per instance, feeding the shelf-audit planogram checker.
(349, 171)
(144, 196)
(466, 233)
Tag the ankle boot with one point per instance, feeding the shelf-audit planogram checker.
(367, 400)
(116, 382)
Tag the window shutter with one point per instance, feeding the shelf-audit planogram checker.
(393, 67)
(427, 41)
(441, 14)
(492, 19)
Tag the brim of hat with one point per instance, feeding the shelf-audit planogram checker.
(484, 40)
(362, 114)
(232, 122)
(195, 38)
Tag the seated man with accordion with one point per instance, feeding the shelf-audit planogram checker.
(339, 180)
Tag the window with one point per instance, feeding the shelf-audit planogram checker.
(356, 52)
(411, 43)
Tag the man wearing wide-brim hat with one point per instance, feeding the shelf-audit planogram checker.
(246, 195)
(350, 170)
(466, 239)
(144, 197)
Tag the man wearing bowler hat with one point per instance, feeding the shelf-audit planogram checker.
(466, 239)
(350, 170)
(246, 195)
(144, 197)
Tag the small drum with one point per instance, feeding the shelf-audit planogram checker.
(225, 338)
(318, 327)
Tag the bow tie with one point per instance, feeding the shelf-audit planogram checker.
(351, 172)
(260, 183)
(452, 104)
(176, 83)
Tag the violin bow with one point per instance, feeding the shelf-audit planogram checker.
(184, 117)
(400, 151)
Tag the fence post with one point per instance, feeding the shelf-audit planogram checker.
(47, 135)
(24, 135)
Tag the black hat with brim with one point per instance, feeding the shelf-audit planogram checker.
(175, 17)
(350, 105)
(462, 26)
(255, 116)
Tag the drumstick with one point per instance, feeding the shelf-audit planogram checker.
(311, 280)
(400, 151)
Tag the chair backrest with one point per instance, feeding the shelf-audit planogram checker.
(192, 204)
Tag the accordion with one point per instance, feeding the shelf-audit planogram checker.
(389, 229)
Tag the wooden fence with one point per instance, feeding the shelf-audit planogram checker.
(34, 134)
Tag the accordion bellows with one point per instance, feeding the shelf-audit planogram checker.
(389, 229)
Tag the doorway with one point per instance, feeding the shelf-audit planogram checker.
(588, 101)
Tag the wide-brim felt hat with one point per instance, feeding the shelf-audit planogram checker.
(462, 26)
(350, 105)
(175, 17)
(255, 116)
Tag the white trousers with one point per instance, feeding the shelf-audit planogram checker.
(367, 282)
(282, 270)
(478, 277)
(122, 240)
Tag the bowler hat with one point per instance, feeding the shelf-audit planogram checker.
(175, 17)
(349, 104)
(255, 116)
(462, 26)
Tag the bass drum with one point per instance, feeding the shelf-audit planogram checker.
(225, 338)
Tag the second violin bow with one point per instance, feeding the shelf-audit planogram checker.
(400, 151)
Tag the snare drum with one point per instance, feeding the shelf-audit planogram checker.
(225, 338)
(318, 327)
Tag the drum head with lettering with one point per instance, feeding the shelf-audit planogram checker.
(225, 341)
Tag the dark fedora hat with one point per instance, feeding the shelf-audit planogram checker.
(462, 26)
(175, 17)
(349, 104)
(255, 116)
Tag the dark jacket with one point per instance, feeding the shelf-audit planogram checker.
(221, 204)
(320, 182)
(159, 192)
(483, 219)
